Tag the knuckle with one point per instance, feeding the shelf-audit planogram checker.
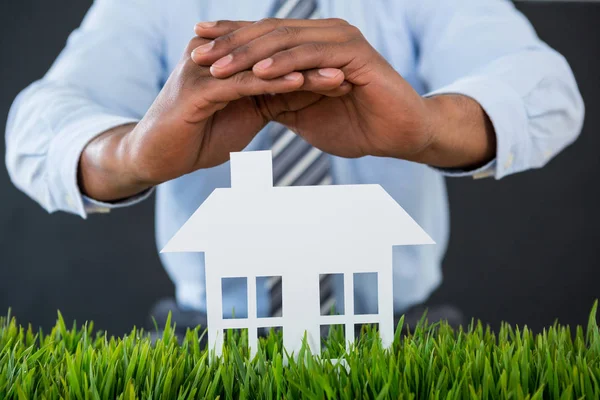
(353, 30)
(242, 51)
(225, 24)
(242, 79)
(318, 47)
(286, 57)
(286, 31)
(338, 21)
(195, 42)
(226, 40)
(270, 22)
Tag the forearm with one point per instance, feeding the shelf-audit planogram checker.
(103, 172)
(462, 133)
(48, 127)
(527, 89)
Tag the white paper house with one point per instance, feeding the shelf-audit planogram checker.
(255, 230)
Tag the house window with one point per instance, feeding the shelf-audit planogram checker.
(331, 289)
(269, 298)
(364, 330)
(237, 337)
(333, 340)
(366, 296)
(274, 342)
(234, 297)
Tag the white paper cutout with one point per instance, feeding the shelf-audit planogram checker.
(298, 232)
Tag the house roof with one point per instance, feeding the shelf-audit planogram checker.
(344, 215)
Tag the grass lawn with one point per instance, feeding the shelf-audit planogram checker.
(430, 362)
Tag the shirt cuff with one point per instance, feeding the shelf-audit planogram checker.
(63, 160)
(486, 171)
(92, 206)
(506, 111)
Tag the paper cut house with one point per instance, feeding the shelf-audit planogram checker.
(255, 230)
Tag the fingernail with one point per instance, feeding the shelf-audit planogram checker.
(264, 64)
(292, 76)
(210, 24)
(329, 72)
(221, 62)
(205, 48)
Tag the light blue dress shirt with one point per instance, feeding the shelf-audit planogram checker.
(115, 64)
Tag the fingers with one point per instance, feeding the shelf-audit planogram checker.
(304, 57)
(269, 47)
(229, 35)
(246, 84)
(273, 48)
(243, 31)
(227, 59)
(213, 29)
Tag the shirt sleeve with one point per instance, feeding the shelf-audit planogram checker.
(487, 50)
(108, 75)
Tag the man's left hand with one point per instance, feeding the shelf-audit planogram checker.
(381, 115)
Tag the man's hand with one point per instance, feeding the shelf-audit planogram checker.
(381, 115)
(194, 123)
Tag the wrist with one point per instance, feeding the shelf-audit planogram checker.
(460, 133)
(127, 159)
(105, 170)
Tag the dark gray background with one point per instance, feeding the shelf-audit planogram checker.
(523, 249)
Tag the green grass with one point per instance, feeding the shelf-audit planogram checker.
(431, 362)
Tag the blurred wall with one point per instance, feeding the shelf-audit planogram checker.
(523, 249)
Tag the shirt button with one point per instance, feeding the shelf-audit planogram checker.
(484, 174)
(509, 161)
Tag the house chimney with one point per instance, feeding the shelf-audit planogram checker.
(251, 170)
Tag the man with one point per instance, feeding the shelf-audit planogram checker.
(399, 93)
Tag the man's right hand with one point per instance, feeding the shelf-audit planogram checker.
(194, 123)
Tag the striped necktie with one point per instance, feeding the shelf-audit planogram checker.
(296, 162)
